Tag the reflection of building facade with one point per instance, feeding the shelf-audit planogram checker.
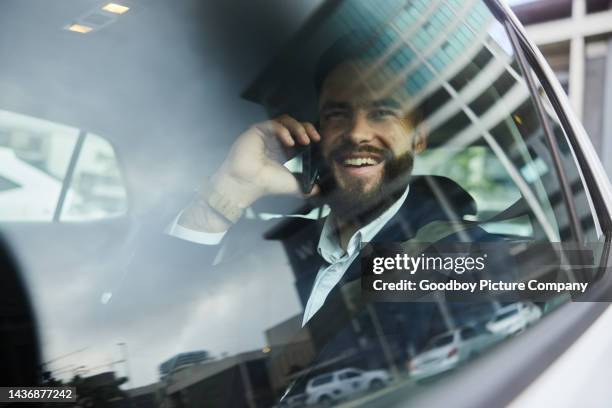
(297, 351)
(458, 66)
(575, 36)
(237, 381)
(101, 390)
(181, 361)
(148, 396)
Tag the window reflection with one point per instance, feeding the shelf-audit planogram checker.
(232, 329)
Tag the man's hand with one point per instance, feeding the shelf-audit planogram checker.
(254, 168)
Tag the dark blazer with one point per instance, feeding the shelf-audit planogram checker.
(372, 334)
(349, 333)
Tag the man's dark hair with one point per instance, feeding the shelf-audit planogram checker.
(354, 46)
(349, 47)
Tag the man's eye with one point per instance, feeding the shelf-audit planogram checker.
(334, 115)
(382, 113)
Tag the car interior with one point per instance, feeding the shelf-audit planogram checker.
(110, 120)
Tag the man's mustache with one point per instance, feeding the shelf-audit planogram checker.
(348, 148)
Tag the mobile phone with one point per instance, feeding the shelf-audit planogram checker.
(311, 167)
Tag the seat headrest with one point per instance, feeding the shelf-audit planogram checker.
(446, 192)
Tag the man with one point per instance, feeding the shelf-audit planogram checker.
(368, 136)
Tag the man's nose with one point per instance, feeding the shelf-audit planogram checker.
(360, 130)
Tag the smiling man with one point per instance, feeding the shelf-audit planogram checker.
(366, 141)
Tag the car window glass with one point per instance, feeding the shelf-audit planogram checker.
(273, 305)
(352, 374)
(35, 156)
(36, 170)
(442, 341)
(506, 314)
(322, 380)
(468, 333)
(97, 187)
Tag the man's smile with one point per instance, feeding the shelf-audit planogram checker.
(360, 164)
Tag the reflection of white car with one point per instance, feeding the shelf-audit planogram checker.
(332, 387)
(26, 193)
(514, 318)
(445, 351)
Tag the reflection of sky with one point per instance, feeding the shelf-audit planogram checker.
(171, 115)
(162, 306)
(164, 302)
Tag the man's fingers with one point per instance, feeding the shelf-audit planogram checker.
(281, 181)
(312, 132)
(278, 130)
(289, 131)
(296, 128)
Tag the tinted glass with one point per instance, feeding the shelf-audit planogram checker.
(235, 293)
(506, 315)
(321, 380)
(442, 341)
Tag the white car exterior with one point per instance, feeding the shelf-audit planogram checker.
(514, 318)
(336, 386)
(445, 351)
(29, 194)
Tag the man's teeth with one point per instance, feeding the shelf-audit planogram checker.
(360, 162)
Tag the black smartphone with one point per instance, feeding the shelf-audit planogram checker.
(311, 167)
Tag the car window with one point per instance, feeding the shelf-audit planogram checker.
(349, 374)
(442, 341)
(322, 380)
(505, 315)
(171, 255)
(53, 172)
(468, 333)
(6, 184)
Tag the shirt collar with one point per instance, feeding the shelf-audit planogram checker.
(329, 243)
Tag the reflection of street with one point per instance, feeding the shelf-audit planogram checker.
(400, 393)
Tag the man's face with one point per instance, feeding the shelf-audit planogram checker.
(367, 140)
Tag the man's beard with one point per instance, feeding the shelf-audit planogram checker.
(352, 203)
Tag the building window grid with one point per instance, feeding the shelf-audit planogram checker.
(455, 3)
(439, 61)
(443, 58)
(398, 26)
(422, 75)
(418, 6)
(421, 38)
(445, 11)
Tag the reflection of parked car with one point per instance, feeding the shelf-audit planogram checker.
(514, 318)
(294, 401)
(329, 388)
(445, 351)
(27, 193)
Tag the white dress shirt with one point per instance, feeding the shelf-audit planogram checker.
(199, 237)
(338, 260)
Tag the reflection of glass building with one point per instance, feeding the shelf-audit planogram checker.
(445, 64)
(458, 66)
(182, 360)
(575, 36)
(235, 381)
